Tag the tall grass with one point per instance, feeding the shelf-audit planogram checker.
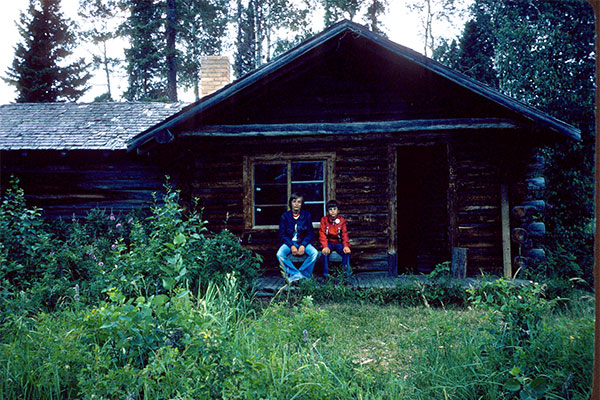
(218, 345)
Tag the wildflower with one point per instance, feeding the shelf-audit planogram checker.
(130, 220)
(76, 296)
(572, 337)
(101, 264)
(305, 335)
(114, 246)
(118, 226)
(112, 217)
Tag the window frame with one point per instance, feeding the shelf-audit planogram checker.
(280, 158)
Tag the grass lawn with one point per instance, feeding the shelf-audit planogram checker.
(431, 353)
(217, 347)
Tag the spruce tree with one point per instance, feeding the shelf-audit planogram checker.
(146, 63)
(38, 71)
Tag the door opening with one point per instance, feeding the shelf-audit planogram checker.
(422, 215)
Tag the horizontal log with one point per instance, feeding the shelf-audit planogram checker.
(524, 213)
(536, 229)
(537, 255)
(538, 205)
(302, 129)
(536, 184)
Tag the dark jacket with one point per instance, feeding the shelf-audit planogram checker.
(306, 231)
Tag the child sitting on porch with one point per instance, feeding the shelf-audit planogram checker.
(295, 234)
(333, 236)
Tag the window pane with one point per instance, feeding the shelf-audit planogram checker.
(270, 194)
(316, 210)
(310, 191)
(307, 171)
(270, 173)
(268, 215)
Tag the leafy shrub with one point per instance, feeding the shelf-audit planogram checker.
(49, 264)
(517, 307)
(169, 249)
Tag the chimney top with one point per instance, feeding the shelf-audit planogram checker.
(216, 73)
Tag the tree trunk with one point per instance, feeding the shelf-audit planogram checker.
(170, 51)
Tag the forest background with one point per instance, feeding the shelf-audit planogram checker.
(539, 52)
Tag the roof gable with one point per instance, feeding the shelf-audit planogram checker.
(348, 64)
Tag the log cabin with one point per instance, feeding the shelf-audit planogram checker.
(426, 163)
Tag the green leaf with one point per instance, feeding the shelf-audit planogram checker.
(179, 239)
(513, 385)
(168, 283)
(515, 371)
(160, 299)
(539, 386)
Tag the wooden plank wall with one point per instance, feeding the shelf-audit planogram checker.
(72, 183)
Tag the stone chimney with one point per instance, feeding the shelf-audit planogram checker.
(216, 73)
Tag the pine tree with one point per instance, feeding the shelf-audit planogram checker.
(246, 59)
(47, 42)
(146, 57)
(374, 11)
(336, 10)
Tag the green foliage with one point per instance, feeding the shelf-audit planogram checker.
(517, 308)
(413, 291)
(146, 57)
(39, 71)
(170, 250)
(45, 265)
(216, 346)
(201, 33)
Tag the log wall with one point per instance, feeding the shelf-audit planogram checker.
(72, 183)
(464, 174)
(212, 169)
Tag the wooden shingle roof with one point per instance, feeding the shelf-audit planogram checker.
(78, 126)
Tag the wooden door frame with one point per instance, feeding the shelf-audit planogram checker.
(392, 193)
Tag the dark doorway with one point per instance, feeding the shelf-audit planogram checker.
(422, 208)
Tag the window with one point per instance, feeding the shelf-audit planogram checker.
(270, 182)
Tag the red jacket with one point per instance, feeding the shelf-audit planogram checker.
(333, 232)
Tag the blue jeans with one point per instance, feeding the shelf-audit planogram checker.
(338, 248)
(291, 272)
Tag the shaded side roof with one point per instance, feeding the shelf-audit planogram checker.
(77, 126)
(256, 96)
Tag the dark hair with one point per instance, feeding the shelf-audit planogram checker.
(331, 204)
(293, 197)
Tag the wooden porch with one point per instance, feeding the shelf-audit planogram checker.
(268, 286)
